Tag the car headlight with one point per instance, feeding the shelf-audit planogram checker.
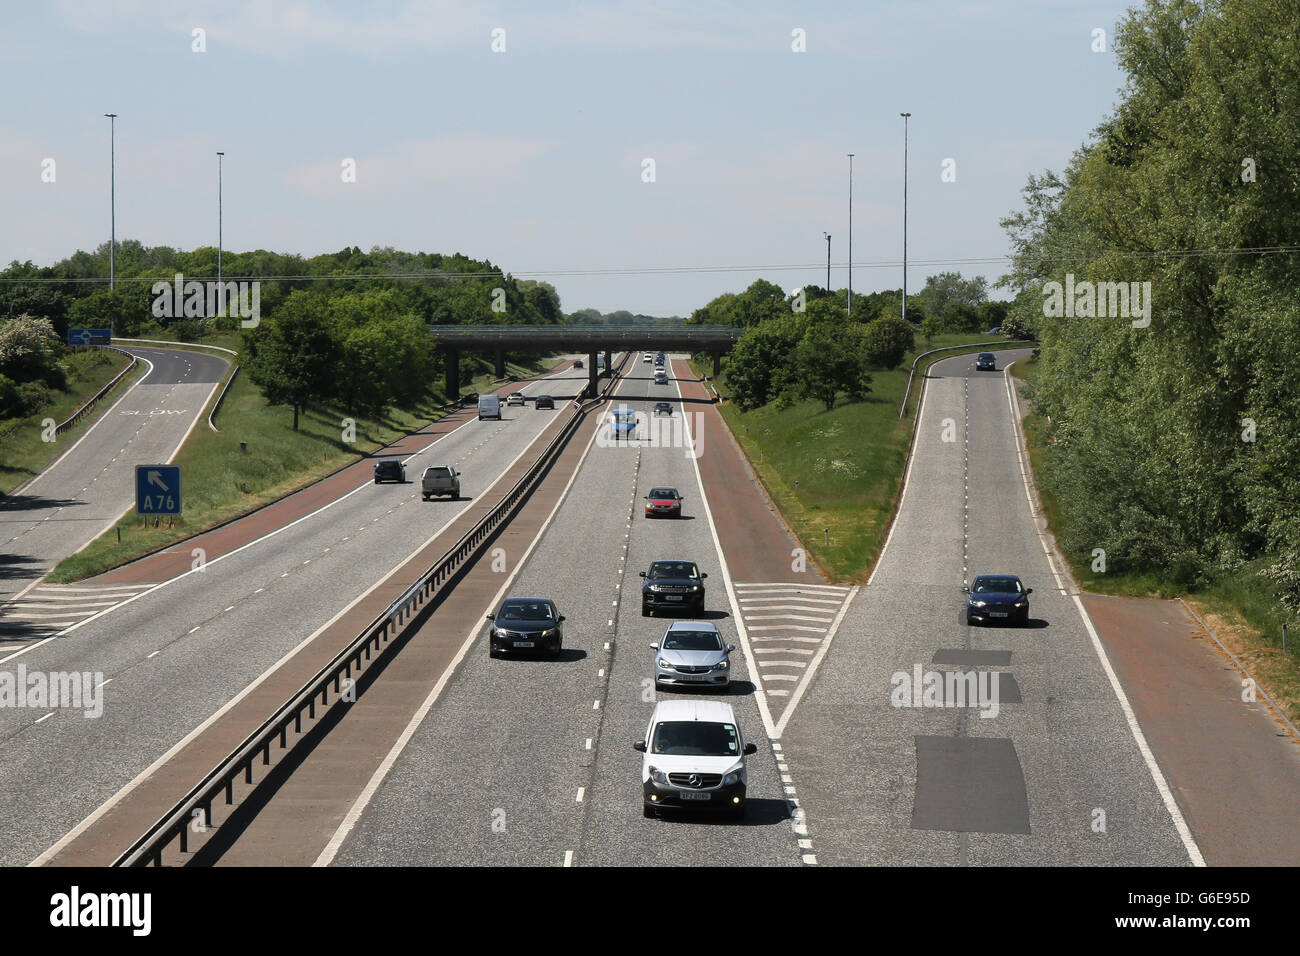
(978, 603)
(549, 632)
(658, 776)
(1021, 603)
(695, 587)
(720, 666)
(733, 776)
(664, 664)
(500, 632)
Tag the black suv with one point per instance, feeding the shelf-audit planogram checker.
(544, 401)
(390, 469)
(526, 624)
(672, 584)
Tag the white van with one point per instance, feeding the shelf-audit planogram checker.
(694, 758)
(489, 406)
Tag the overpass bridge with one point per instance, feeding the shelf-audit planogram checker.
(591, 339)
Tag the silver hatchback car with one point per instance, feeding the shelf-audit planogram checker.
(691, 654)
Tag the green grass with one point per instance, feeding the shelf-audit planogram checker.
(220, 482)
(23, 455)
(835, 476)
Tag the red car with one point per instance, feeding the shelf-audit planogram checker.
(663, 501)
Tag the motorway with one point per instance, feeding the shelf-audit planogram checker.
(90, 486)
(450, 757)
(530, 762)
(178, 652)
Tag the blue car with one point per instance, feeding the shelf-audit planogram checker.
(997, 598)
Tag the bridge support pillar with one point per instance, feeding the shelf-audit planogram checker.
(592, 383)
(609, 362)
(453, 375)
(501, 363)
(717, 365)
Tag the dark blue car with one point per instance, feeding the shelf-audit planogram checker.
(999, 598)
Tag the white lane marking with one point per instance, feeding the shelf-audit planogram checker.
(154, 654)
(781, 664)
(46, 717)
(1171, 805)
(787, 627)
(783, 650)
(306, 517)
(335, 843)
(581, 791)
(821, 618)
(751, 588)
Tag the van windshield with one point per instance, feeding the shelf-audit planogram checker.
(696, 738)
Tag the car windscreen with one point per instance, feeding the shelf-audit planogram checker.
(996, 586)
(692, 641)
(986, 355)
(696, 738)
(438, 472)
(668, 494)
(672, 569)
(525, 611)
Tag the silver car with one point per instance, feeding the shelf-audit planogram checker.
(691, 654)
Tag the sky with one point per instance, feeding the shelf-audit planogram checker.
(639, 156)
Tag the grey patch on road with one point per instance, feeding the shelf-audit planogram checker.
(964, 657)
(969, 785)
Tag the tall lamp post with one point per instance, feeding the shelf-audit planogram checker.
(219, 155)
(905, 117)
(828, 260)
(850, 233)
(112, 196)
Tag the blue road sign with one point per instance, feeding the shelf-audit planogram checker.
(158, 489)
(90, 336)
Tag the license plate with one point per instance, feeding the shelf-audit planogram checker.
(997, 613)
(672, 597)
(688, 795)
(523, 643)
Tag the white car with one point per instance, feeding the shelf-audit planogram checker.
(516, 398)
(646, 357)
(694, 758)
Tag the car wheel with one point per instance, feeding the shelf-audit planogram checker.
(492, 650)
(556, 651)
(1024, 618)
(647, 811)
(647, 610)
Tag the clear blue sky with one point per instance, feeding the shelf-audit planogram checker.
(532, 157)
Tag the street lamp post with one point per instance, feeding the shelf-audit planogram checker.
(219, 155)
(112, 196)
(850, 233)
(828, 260)
(905, 117)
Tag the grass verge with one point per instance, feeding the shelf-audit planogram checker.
(24, 455)
(221, 482)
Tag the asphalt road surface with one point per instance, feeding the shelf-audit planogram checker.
(529, 761)
(177, 653)
(1056, 777)
(93, 483)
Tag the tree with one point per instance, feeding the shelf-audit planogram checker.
(830, 360)
(30, 352)
(293, 357)
(125, 311)
(948, 296)
(886, 341)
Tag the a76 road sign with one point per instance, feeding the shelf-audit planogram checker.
(158, 489)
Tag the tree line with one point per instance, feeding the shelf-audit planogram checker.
(1174, 444)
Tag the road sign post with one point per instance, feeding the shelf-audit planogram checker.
(157, 489)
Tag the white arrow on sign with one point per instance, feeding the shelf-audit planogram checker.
(155, 479)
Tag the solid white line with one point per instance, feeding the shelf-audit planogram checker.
(1130, 717)
(335, 843)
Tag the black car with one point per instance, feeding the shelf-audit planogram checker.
(544, 401)
(526, 624)
(672, 584)
(663, 408)
(997, 597)
(986, 362)
(390, 469)
(577, 363)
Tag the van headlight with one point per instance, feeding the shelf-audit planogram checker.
(733, 776)
(658, 776)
